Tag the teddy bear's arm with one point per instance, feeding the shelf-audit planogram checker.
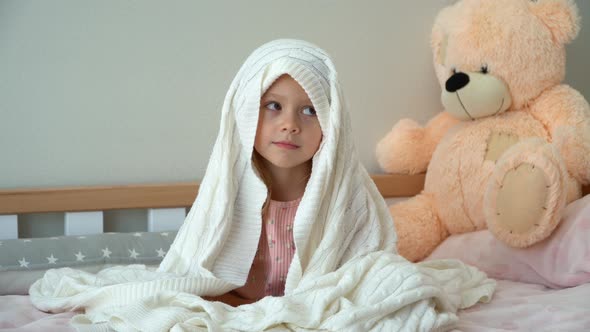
(566, 115)
(408, 147)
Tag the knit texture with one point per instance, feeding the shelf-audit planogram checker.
(344, 275)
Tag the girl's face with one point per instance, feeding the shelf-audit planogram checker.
(288, 133)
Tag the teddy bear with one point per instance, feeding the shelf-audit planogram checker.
(512, 146)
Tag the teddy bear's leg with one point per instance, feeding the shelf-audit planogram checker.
(526, 194)
(418, 227)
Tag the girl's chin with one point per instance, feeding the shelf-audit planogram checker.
(288, 165)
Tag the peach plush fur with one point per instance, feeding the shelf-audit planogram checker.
(523, 43)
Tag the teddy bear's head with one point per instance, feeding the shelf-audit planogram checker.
(491, 56)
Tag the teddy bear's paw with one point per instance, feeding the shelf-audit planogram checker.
(573, 144)
(418, 227)
(526, 194)
(400, 150)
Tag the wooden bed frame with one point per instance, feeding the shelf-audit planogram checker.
(166, 203)
(148, 196)
(37, 200)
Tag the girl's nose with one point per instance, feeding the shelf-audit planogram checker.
(290, 124)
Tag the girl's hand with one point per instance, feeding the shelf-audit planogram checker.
(230, 298)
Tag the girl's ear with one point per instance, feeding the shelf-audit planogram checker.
(560, 16)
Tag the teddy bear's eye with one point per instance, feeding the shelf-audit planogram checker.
(484, 69)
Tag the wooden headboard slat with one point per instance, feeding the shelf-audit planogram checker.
(399, 185)
(97, 198)
(155, 195)
(149, 195)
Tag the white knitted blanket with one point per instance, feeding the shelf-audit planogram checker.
(345, 274)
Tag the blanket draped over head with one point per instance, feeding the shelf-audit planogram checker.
(345, 274)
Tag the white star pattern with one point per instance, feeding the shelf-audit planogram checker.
(80, 257)
(27, 240)
(161, 252)
(81, 237)
(23, 263)
(137, 234)
(106, 252)
(51, 259)
(133, 254)
(164, 234)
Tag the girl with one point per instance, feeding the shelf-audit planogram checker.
(288, 135)
(285, 208)
(287, 106)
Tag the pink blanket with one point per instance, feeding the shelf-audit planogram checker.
(562, 260)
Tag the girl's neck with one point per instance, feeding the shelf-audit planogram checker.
(288, 184)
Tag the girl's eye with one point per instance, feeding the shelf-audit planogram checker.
(273, 106)
(309, 111)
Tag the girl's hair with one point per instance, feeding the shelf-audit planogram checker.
(257, 161)
(264, 173)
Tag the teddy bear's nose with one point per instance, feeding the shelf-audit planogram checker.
(456, 82)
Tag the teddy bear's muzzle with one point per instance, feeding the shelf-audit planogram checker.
(474, 95)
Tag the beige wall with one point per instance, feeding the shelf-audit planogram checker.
(116, 92)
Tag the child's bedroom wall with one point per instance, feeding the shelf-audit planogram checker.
(120, 92)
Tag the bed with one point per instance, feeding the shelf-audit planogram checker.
(543, 288)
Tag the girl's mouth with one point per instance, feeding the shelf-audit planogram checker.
(286, 145)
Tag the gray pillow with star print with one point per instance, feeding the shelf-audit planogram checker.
(22, 261)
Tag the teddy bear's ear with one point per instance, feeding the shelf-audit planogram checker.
(560, 16)
(439, 45)
(439, 37)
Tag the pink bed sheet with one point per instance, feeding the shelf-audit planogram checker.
(514, 307)
(519, 306)
(18, 314)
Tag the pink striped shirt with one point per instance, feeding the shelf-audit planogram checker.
(275, 251)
